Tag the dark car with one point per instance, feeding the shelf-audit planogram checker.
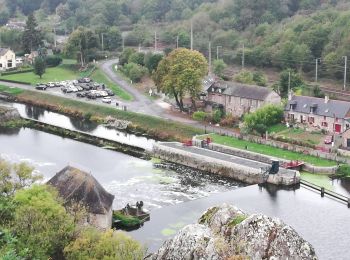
(91, 96)
(81, 94)
(41, 87)
(109, 92)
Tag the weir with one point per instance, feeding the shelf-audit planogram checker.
(235, 167)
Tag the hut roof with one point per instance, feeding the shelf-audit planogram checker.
(79, 186)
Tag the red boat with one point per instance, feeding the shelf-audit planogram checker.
(293, 165)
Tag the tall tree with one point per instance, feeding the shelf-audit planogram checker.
(32, 37)
(39, 66)
(181, 73)
(80, 42)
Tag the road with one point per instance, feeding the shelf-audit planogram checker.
(140, 103)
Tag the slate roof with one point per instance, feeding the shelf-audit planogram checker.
(3, 51)
(74, 185)
(241, 90)
(337, 108)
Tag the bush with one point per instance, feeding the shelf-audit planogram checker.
(134, 71)
(245, 77)
(259, 78)
(217, 115)
(229, 121)
(344, 170)
(200, 116)
(138, 58)
(53, 61)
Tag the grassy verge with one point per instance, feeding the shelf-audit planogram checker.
(9, 90)
(271, 151)
(98, 76)
(126, 221)
(66, 71)
(153, 126)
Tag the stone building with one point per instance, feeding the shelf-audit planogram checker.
(76, 186)
(238, 99)
(314, 113)
(7, 59)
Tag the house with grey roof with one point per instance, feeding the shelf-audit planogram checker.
(7, 59)
(238, 99)
(314, 113)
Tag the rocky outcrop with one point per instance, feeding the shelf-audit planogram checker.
(8, 113)
(226, 232)
(116, 123)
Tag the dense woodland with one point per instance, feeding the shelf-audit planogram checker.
(275, 33)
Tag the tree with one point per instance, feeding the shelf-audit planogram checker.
(137, 57)
(295, 81)
(32, 37)
(181, 73)
(219, 66)
(92, 244)
(41, 223)
(261, 119)
(134, 71)
(81, 42)
(39, 66)
(152, 61)
(124, 57)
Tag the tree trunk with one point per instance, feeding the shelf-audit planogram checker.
(193, 104)
(177, 101)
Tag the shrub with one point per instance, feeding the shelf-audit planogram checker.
(344, 170)
(53, 61)
(134, 71)
(229, 120)
(217, 115)
(245, 77)
(200, 116)
(259, 78)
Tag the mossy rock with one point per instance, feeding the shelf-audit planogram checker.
(236, 220)
(208, 215)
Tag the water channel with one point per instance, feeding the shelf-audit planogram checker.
(175, 197)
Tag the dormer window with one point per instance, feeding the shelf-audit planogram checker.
(292, 105)
(313, 108)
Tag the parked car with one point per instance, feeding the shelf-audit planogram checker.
(50, 85)
(109, 92)
(41, 87)
(91, 96)
(107, 100)
(328, 139)
(81, 94)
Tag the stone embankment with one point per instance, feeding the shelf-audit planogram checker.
(235, 167)
(227, 232)
(264, 158)
(8, 114)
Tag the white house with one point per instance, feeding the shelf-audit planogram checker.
(7, 59)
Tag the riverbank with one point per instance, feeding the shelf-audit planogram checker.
(154, 127)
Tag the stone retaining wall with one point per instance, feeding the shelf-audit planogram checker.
(224, 168)
(264, 158)
(8, 113)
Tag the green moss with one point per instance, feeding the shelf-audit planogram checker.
(236, 220)
(126, 221)
(168, 232)
(206, 218)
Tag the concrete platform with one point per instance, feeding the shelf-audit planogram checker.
(235, 167)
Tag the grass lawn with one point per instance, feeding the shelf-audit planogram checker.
(277, 128)
(271, 151)
(100, 77)
(154, 126)
(9, 90)
(313, 138)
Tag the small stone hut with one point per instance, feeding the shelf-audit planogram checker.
(74, 185)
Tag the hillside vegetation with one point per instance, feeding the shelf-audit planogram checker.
(275, 33)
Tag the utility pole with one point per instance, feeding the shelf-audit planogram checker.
(316, 75)
(288, 82)
(177, 42)
(345, 67)
(55, 37)
(123, 42)
(209, 57)
(243, 57)
(191, 35)
(102, 35)
(155, 41)
(217, 51)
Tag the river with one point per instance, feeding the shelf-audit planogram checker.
(175, 197)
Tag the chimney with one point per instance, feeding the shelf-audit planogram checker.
(326, 99)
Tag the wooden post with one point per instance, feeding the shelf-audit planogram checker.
(322, 192)
(348, 202)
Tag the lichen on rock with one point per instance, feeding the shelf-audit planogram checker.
(227, 232)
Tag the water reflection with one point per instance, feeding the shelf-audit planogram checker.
(53, 118)
(9, 131)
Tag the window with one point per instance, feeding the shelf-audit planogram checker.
(0, 65)
(311, 120)
(9, 63)
(324, 118)
(325, 124)
(336, 119)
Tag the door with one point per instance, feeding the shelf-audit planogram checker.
(337, 128)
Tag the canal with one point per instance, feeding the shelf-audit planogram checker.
(176, 196)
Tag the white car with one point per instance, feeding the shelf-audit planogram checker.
(107, 100)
